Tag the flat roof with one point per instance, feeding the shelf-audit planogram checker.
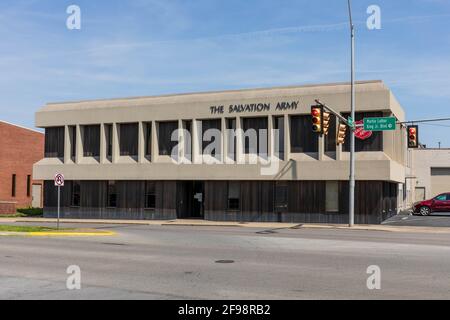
(338, 87)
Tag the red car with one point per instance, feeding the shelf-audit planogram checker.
(441, 203)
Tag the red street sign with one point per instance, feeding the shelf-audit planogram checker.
(59, 180)
(360, 133)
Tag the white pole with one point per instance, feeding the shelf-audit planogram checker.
(59, 197)
(352, 133)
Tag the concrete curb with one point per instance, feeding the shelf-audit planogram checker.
(57, 234)
(260, 225)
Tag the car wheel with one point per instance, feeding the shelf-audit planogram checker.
(425, 211)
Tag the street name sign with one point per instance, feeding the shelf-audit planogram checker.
(380, 124)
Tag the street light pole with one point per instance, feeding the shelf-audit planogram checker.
(352, 133)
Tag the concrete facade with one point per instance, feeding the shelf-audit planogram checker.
(388, 164)
(20, 149)
(430, 173)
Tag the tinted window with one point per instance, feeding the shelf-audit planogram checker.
(234, 195)
(303, 139)
(54, 142)
(165, 143)
(129, 133)
(111, 197)
(330, 139)
(76, 194)
(256, 139)
(211, 125)
(91, 141)
(281, 197)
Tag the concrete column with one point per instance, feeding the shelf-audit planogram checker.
(270, 139)
(102, 144)
(224, 141)
(67, 145)
(287, 138)
(79, 149)
(155, 149)
(240, 157)
(141, 143)
(181, 142)
(196, 141)
(115, 143)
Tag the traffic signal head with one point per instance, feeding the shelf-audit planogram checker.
(342, 132)
(317, 119)
(413, 137)
(326, 122)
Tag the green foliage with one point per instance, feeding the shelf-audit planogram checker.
(31, 212)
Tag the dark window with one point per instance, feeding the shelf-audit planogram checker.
(254, 129)
(165, 143)
(76, 194)
(73, 141)
(440, 171)
(374, 143)
(234, 195)
(109, 139)
(129, 139)
(231, 127)
(279, 147)
(148, 139)
(54, 142)
(150, 195)
(28, 185)
(91, 141)
(13, 186)
(330, 139)
(303, 139)
(281, 197)
(214, 124)
(111, 197)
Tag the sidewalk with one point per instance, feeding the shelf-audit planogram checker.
(260, 225)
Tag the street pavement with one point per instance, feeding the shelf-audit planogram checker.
(435, 220)
(176, 262)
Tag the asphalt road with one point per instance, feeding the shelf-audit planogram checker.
(144, 262)
(435, 220)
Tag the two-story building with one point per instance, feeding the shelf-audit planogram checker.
(151, 157)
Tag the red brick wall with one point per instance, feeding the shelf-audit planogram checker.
(20, 148)
(7, 208)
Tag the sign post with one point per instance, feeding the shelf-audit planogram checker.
(59, 182)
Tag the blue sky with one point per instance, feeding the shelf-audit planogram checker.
(149, 47)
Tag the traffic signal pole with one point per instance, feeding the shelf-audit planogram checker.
(352, 132)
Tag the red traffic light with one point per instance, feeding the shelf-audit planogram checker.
(317, 119)
(413, 136)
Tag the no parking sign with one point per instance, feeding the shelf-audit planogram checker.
(59, 180)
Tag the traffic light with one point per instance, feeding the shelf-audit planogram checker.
(342, 132)
(413, 137)
(317, 119)
(326, 122)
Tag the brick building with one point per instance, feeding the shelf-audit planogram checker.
(20, 149)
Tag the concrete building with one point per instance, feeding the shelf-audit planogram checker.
(20, 149)
(430, 175)
(117, 156)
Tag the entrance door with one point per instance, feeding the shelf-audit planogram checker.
(190, 196)
(37, 195)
